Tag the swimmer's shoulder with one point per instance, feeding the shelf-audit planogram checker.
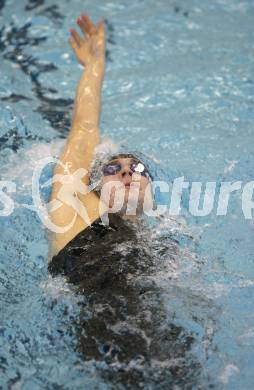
(58, 242)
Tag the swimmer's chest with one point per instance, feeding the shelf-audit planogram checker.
(114, 250)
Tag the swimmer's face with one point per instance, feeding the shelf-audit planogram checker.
(126, 182)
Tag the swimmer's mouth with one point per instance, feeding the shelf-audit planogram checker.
(134, 185)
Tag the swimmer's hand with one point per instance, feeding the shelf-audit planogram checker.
(90, 47)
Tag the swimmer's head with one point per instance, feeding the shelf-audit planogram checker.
(124, 183)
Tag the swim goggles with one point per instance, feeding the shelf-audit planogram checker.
(112, 168)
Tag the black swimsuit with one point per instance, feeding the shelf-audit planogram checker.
(124, 318)
(102, 255)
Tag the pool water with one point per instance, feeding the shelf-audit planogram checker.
(178, 86)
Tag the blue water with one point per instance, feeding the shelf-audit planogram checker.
(179, 86)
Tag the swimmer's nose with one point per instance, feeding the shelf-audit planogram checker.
(126, 174)
(126, 171)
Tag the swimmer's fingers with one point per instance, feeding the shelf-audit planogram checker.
(78, 40)
(80, 52)
(86, 25)
(95, 35)
(79, 46)
(91, 47)
(73, 44)
(101, 28)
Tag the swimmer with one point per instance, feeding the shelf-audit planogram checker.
(125, 169)
(123, 322)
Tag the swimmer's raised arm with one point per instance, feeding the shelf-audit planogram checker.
(89, 48)
(84, 134)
